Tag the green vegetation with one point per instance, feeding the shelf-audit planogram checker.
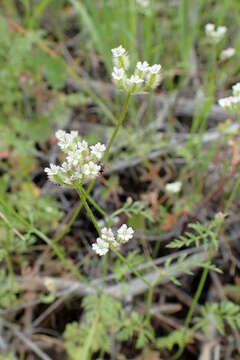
(166, 170)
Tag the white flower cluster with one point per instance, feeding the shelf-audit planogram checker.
(143, 3)
(81, 162)
(215, 34)
(232, 103)
(227, 53)
(108, 239)
(144, 78)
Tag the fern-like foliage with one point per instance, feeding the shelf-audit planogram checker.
(104, 318)
(219, 314)
(173, 339)
(185, 264)
(201, 235)
(138, 327)
(131, 208)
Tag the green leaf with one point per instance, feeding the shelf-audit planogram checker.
(54, 69)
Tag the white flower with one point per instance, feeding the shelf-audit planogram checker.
(124, 233)
(225, 102)
(230, 103)
(82, 146)
(120, 58)
(66, 167)
(144, 78)
(60, 135)
(154, 77)
(81, 160)
(209, 28)
(236, 89)
(227, 53)
(76, 157)
(155, 69)
(174, 188)
(107, 235)
(107, 239)
(118, 74)
(54, 173)
(143, 3)
(135, 80)
(101, 247)
(91, 170)
(97, 151)
(119, 51)
(142, 66)
(221, 31)
(215, 34)
(67, 141)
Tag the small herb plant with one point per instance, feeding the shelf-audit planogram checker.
(111, 318)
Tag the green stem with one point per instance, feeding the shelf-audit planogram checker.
(58, 252)
(192, 307)
(73, 218)
(203, 279)
(8, 256)
(149, 303)
(135, 272)
(93, 202)
(89, 211)
(119, 123)
(94, 221)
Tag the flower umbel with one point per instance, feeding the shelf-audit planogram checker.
(81, 163)
(108, 239)
(232, 103)
(215, 34)
(227, 53)
(143, 79)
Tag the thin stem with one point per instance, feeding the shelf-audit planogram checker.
(58, 252)
(93, 202)
(94, 221)
(202, 280)
(126, 262)
(192, 307)
(149, 303)
(89, 211)
(73, 218)
(8, 256)
(119, 123)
